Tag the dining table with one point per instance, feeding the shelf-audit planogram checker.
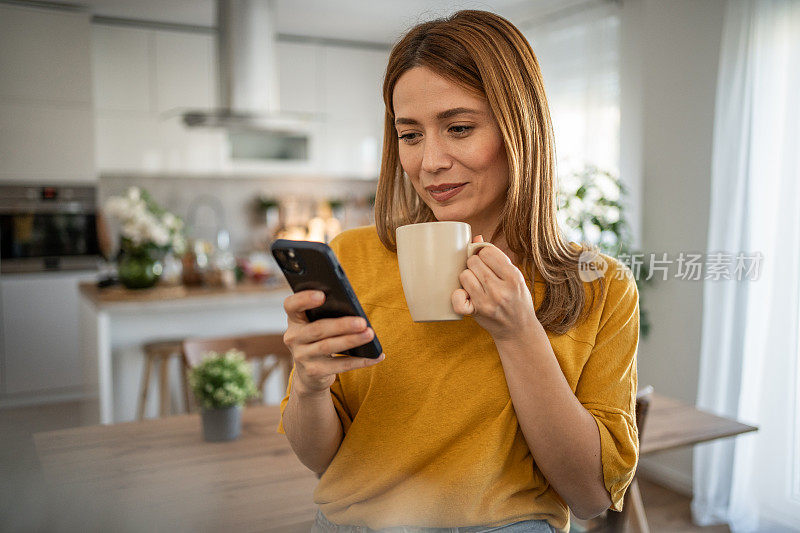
(160, 475)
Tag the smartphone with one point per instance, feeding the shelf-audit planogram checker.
(313, 266)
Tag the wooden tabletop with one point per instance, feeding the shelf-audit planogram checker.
(673, 424)
(160, 474)
(120, 295)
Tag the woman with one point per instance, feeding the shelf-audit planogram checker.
(523, 410)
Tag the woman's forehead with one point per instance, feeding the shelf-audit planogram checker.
(420, 91)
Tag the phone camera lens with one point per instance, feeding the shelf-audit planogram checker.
(291, 254)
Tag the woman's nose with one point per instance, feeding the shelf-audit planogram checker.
(434, 155)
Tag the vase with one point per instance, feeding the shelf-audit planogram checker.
(138, 269)
(222, 423)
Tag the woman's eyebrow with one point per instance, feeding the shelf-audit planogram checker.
(442, 115)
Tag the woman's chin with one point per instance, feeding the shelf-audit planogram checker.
(448, 215)
(450, 219)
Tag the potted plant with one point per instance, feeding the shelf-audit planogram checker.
(222, 384)
(591, 208)
(148, 233)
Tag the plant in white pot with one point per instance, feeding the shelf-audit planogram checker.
(222, 384)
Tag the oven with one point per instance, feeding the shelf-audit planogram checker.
(48, 228)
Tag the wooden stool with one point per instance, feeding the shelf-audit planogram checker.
(160, 353)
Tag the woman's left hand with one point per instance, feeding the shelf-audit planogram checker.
(495, 294)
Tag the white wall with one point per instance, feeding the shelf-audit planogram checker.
(669, 71)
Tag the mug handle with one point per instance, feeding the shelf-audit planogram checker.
(473, 247)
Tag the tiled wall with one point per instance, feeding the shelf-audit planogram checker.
(235, 198)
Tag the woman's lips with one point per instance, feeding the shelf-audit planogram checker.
(441, 196)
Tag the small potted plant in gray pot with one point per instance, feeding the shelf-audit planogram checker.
(222, 384)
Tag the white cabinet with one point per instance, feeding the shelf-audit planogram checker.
(143, 79)
(185, 71)
(352, 79)
(46, 126)
(40, 333)
(46, 142)
(121, 68)
(44, 55)
(152, 71)
(301, 88)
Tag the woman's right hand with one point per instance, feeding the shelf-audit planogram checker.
(313, 343)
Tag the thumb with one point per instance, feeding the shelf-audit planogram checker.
(477, 238)
(462, 305)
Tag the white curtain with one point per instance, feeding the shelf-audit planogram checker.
(749, 360)
(578, 51)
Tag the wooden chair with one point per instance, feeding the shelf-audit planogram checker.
(632, 517)
(254, 347)
(159, 354)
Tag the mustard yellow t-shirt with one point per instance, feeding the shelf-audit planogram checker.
(430, 434)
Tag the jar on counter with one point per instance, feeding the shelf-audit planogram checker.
(195, 263)
(224, 262)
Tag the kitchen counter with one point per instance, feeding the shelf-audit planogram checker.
(118, 295)
(117, 322)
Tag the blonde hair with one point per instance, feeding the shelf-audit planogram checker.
(487, 55)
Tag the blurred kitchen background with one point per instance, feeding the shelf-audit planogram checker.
(266, 121)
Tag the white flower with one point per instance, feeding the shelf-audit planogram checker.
(131, 231)
(608, 238)
(569, 183)
(157, 233)
(592, 195)
(612, 214)
(138, 211)
(591, 233)
(599, 210)
(134, 194)
(608, 188)
(575, 207)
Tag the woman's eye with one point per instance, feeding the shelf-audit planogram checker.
(408, 137)
(460, 130)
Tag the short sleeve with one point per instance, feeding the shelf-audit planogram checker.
(608, 383)
(337, 395)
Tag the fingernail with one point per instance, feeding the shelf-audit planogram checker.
(381, 357)
(319, 296)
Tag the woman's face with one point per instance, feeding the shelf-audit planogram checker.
(449, 136)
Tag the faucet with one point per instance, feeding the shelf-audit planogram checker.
(214, 204)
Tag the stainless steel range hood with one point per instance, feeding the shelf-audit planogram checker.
(248, 72)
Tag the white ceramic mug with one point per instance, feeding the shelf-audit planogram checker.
(431, 256)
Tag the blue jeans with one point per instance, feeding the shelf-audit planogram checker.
(323, 525)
